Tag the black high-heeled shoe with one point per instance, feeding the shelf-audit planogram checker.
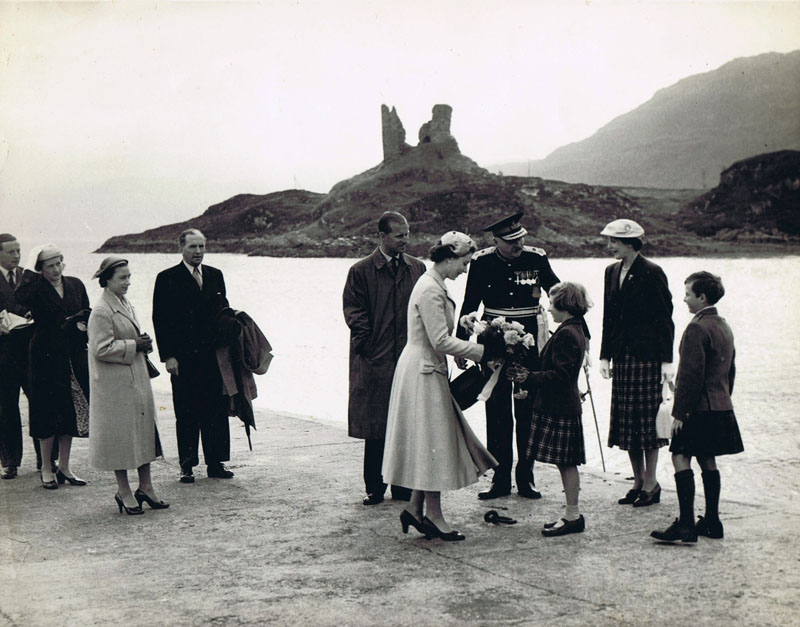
(48, 485)
(432, 531)
(141, 497)
(630, 497)
(407, 519)
(648, 498)
(73, 480)
(131, 511)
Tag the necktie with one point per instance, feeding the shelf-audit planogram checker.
(198, 277)
(395, 264)
(11, 280)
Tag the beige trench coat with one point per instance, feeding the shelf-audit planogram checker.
(429, 445)
(122, 415)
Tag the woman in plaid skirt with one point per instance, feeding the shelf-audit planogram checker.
(556, 430)
(638, 334)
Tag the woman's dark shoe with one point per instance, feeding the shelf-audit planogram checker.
(73, 480)
(570, 526)
(630, 497)
(709, 528)
(407, 519)
(675, 532)
(648, 498)
(141, 497)
(48, 485)
(131, 511)
(432, 531)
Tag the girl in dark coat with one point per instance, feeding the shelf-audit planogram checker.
(638, 333)
(704, 424)
(58, 370)
(556, 430)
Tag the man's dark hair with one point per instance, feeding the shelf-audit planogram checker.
(388, 218)
(182, 237)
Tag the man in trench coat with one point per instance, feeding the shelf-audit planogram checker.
(375, 302)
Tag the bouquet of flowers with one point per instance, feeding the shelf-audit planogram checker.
(515, 340)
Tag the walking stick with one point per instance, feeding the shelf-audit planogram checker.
(594, 413)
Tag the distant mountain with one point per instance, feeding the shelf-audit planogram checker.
(756, 199)
(687, 133)
(438, 189)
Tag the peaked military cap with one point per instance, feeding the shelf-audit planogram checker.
(508, 228)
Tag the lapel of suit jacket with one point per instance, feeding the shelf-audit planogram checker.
(634, 271)
(50, 294)
(5, 288)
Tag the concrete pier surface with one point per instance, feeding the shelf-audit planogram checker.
(288, 542)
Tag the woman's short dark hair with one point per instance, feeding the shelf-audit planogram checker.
(633, 242)
(108, 274)
(706, 283)
(570, 297)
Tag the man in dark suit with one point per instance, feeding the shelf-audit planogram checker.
(13, 358)
(186, 302)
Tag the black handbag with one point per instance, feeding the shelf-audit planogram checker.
(151, 369)
(465, 387)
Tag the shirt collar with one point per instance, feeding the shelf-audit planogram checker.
(387, 257)
(706, 310)
(191, 268)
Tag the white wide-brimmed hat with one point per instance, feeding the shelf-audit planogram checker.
(623, 228)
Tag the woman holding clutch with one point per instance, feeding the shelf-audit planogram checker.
(122, 416)
(58, 374)
(429, 445)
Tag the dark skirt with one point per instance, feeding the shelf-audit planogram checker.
(557, 440)
(708, 434)
(635, 398)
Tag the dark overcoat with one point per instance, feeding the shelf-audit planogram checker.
(375, 304)
(57, 350)
(637, 317)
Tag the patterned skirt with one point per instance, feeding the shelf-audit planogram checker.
(635, 397)
(708, 434)
(557, 440)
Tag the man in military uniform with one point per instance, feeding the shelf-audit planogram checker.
(508, 278)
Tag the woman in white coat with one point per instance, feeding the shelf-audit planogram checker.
(122, 415)
(429, 445)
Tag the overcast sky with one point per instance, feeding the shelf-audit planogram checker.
(116, 117)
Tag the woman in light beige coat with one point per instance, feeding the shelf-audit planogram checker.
(429, 445)
(122, 416)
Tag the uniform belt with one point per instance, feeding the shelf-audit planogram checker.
(516, 312)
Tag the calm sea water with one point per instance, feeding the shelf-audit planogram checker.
(297, 303)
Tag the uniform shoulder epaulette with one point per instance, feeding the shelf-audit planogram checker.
(533, 249)
(484, 251)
